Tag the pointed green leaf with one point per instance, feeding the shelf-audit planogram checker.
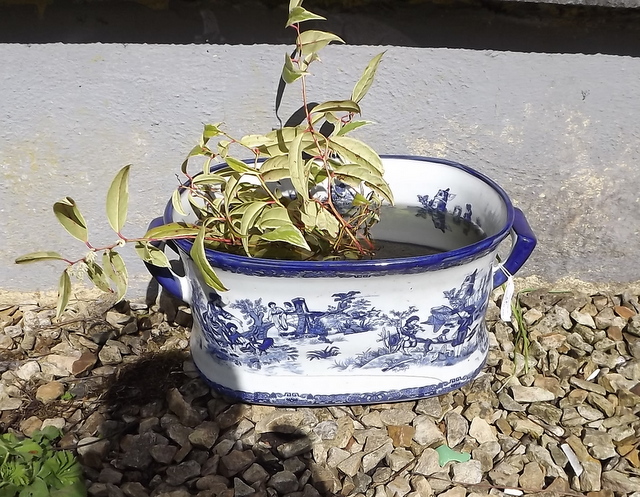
(38, 256)
(118, 199)
(97, 276)
(337, 106)
(312, 41)
(275, 168)
(289, 72)
(364, 83)
(171, 230)
(252, 211)
(176, 201)
(71, 219)
(64, 292)
(370, 177)
(253, 141)
(151, 254)
(300, 14)
(223, 148)
(208, 179)
(199, 256)
(115, 268)
(328, 223)
(360, 200)
(272, 217)
(347, 128)
(294, 3)
(289, 234)
(211, 130)
(357, 152)
(240, 166)
(309, 215)
(297, 168)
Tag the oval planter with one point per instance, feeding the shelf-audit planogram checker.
(348, 332)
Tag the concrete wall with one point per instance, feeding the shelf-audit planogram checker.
(558, 132)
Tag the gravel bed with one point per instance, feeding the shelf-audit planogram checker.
(119, 382)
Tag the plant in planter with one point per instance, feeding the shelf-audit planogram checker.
(306, 194)
(278, 248)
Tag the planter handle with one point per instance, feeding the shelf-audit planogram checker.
(524, 241)
(176, 285)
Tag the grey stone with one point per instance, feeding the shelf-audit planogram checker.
(509, 404)
(204, 435)
(133, 489)
(619, 482)
(428, 463)
(177, 475)
(532, 477)
(399, 458)
(469, 472)
(284, 482)
(236, 461)
(531, 394)
(486, 453)
(241, 489)
(583, 318)
(427, 432)
(457, 428)
(255, 473)
(397, 416)
(430, 407)
(351, 465)
(371, 459)
(482, 431)
(326, 430)
(588, 386)
(163, 453)
(599, 444)
(92, 450)
(181, 408)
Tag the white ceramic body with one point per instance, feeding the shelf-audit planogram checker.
(344, 332)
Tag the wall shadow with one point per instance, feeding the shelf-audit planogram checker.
(470, 24)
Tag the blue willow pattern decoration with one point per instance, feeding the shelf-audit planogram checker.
(289, 336)
(436, 209)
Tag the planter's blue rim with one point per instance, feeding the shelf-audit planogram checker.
(275, 267)
(311, 400)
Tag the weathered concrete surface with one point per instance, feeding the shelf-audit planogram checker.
(558, 132)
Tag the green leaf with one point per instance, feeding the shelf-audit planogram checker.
(297, 168)
(223, 148)
(289, 72)
(356, 152)
(273, 217)
(71, 219)
(369, 176)
(288, 234)
(151, 254)
(97, 276)
(247, 222)
(118, 199)
(275, 169)
(176, 201)
(199, 256)
(294, 3)
(254, 141)
(208, 179)
(360, 200)
(300, 14)
(171, 230)
(309, 215)
(39, 256)
(115, 268)
(312, 41)
(364, 83)
(240, 166)
(211, 130)
(350, 126)
(64, 292)
(328, 223)
(38, 488)
(337, 106)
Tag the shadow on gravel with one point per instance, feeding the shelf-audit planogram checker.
(159, 428)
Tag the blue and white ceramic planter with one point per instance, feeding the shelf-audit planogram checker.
(345, 332)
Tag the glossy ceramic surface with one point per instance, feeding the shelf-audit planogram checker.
(344, 332)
